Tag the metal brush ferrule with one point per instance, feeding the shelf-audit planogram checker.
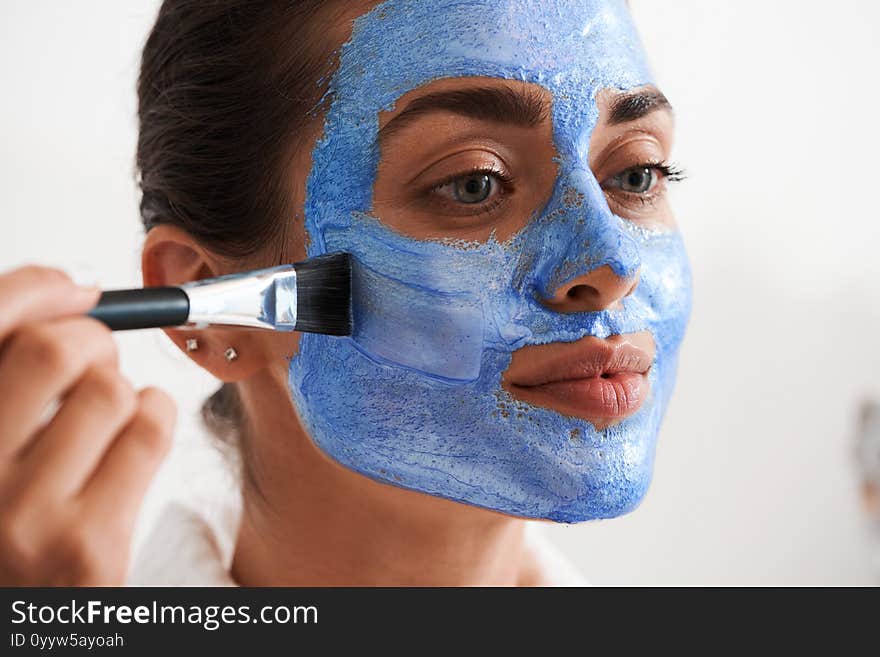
(264, 299)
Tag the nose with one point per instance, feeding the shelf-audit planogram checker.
(597, 290)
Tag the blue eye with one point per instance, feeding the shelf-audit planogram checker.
(472, 189)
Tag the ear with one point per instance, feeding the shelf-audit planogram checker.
(171, 256)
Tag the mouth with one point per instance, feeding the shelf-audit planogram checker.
(600, 380)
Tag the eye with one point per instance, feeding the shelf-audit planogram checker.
(643, 179)
(637, 180)
(470, 189)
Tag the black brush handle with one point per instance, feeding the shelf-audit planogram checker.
(151, 307)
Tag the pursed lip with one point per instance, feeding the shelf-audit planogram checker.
(600, 380)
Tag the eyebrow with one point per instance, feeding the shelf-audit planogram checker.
(631, 106)
(499, 104)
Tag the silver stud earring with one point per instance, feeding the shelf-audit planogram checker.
(192, 344)
(231, 354)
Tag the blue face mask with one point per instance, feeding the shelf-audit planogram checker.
(445, 426)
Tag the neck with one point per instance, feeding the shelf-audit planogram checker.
(309, 522)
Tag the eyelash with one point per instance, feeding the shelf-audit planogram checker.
(670, 172)
(506, 181)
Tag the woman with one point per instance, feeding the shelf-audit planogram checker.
(507, 161)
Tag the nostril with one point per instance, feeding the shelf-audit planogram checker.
(581, 293)
(597, 290)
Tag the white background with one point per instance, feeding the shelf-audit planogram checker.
(777, 106)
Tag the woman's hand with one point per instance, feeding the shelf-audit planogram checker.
(73, 479)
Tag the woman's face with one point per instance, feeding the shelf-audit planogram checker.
(498, 169)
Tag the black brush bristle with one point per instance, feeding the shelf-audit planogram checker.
(323, 294)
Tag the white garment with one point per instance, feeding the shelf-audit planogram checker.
(190, 548)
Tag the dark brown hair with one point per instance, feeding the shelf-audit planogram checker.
(224, 88)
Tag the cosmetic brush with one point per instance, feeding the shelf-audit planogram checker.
(313, 296)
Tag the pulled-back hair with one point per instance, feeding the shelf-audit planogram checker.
(225, 87)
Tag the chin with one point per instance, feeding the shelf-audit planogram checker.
(608, 498)
(606, 476)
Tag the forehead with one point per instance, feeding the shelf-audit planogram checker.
(571, 47)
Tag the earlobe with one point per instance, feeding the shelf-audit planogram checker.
(171, 257)
(230, 355)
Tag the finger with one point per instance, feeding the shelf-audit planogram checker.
(66, 452)
(40, 363)
(35, 294)
(118, 485)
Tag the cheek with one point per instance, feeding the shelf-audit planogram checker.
(418, 306)
(283, 346)
(665, 289)
(417, 327)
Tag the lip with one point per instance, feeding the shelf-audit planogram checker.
(600, 380)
